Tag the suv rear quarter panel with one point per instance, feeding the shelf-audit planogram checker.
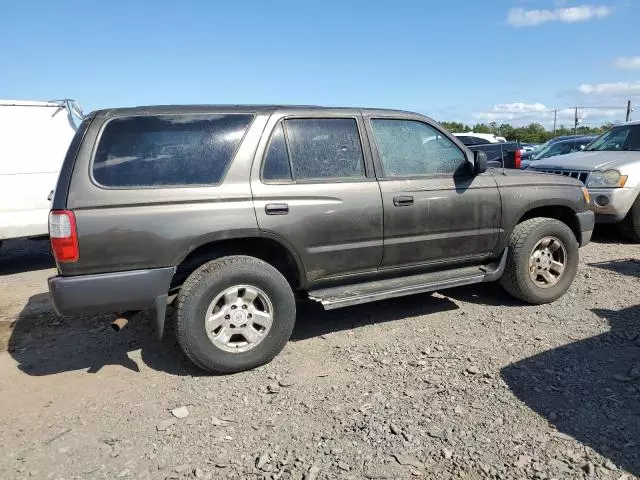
(127, 229)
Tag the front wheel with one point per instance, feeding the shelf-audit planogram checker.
(630, 226)
(234, 313)
(542, 261)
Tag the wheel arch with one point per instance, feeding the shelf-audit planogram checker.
(554, 206)
(562, 213)
(273, 249)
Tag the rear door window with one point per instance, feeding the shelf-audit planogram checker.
(314, 149)
(168, 150)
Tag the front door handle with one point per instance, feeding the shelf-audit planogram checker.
(403, 201)
(276, 208)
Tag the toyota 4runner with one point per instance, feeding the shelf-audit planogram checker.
(230, 212)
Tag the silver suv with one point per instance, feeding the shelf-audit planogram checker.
(610, 168)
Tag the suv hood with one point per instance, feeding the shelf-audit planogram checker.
(588, 160)
(528, 178)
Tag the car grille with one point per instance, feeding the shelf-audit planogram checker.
(578, 174)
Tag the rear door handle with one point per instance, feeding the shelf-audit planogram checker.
(403, 201)
(276, 208)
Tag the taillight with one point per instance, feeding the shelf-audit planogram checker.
(64, 236)
(518, 158)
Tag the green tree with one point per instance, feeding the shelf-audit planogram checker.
(532, 133)
(455, 126)
(481, 128)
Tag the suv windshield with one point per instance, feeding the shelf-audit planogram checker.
(625, 137)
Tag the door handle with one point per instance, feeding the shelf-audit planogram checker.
(403, 201)
(276, 208)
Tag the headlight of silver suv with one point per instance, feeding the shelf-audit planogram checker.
(606, 179)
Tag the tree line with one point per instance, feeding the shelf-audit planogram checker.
(532, 133)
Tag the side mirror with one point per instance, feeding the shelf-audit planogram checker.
(582, 147)
(479, 162)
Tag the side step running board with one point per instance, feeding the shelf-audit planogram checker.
(355, 294)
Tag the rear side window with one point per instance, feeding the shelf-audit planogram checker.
(479, 141)
(167, 150)
(314, 149)
(276, 163)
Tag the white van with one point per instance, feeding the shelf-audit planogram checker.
(33, 142)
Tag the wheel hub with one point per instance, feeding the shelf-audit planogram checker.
(547, 262)
(239, 318)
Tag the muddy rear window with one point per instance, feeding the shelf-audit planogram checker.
(168, 150)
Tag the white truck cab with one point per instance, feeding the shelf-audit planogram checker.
(35, 137)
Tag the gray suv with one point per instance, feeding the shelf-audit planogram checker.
(231, 212)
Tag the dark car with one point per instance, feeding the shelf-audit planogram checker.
(233, 212)
(531, 153)
(559, 147)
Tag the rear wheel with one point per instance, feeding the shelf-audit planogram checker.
(542, 261)
(234, 313)
(630, 226)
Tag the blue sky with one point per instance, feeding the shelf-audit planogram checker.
(461, 60)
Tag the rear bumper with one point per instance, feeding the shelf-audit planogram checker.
(113, 292)
(586, 221)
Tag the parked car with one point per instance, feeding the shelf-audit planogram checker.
(529, 154)
(35, 137)
(233, 211)
(507, 155)
(528, 147)
(610, 168)
(561, 147)
(472, 138)
(500, 153)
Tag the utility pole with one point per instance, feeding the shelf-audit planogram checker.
(555, 120)
(628, 111)
(575, 127)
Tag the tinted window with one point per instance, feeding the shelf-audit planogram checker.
(325, 148)
(467, 140)
(409, 148)
(276, 163)
(168, 150)
(480, 141)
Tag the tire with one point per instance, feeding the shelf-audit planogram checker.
(527, 235)
(630, 225)
(209, 282)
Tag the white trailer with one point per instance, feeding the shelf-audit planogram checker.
(34, 137)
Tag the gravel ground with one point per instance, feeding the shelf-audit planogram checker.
(465, 383)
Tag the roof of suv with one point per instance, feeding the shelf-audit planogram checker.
(168, 109)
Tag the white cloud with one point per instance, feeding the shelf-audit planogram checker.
(519, 107)
(611, 89)
(519, 17)
(627, 63)
(520, 114)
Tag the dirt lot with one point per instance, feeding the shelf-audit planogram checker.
(465, 383)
